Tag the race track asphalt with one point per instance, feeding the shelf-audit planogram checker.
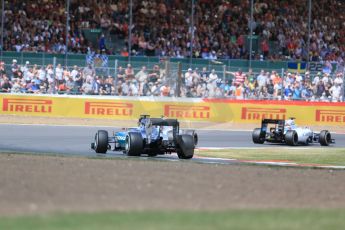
(75, 140)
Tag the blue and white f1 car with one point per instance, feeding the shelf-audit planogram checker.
(153, 136)
(286, 131)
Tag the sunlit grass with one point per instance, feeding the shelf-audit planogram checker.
(325, 156)
(234, 219)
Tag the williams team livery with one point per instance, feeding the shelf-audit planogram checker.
(287, 132)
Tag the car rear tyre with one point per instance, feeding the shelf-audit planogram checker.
(185, 149)
(193, 134)
(196, 139)
(291, 137)
(134, 144)
(101, 141)
(325, 138)
(257, 137)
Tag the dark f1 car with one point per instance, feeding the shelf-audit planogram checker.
(286, 131)
(153, 136)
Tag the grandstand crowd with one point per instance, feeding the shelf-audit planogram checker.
(162, 28)
(203, 83)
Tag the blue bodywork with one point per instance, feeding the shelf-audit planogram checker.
(152, 136)
(120, 137)
(120, 140)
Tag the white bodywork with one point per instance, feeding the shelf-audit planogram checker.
(305, 135)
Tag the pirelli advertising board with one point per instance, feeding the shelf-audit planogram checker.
(212, 110)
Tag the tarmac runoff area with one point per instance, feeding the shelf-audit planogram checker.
(74, 140)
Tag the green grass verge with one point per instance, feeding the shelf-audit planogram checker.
(327, 156)
(236, 219)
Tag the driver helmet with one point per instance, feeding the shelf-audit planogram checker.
(142, 121)
(290, 122)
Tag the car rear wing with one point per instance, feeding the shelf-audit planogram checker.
(278, 122)
(164, 122)
(273, 121)
(160, 121)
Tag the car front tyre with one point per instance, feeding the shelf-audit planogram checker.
(325, 138)
(101, 142)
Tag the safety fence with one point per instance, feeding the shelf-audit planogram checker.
(113, 61)
(201, 110)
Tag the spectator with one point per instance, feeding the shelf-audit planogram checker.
(102, 87)
(42, 74)
(316, 78)
(50, 73)
(226, 88)
(2, 68)
(154, 75)
(101, 42)
(213, 78)
(155, 89)
(307, 93)
(96, 82)
(133, 88)
(196, 77)
(265, 48)
(147, 88)
(201, 90)
(336, 92)
(320, 89)
(270, 89)
(239, 92)
(296, 92)
(14, 68)
(125, 88)
(339, 79)
(87, 87)
(6, 85)
(33, 87)
(165, 90)
(109, 86)
(62, 88)
(129, 72)
(16, 87)
(89, 70)
(288, 92)
(298, 78)
(70, 85)
(262, 81)
(121, 75)
(124, 52)
(59, 74)
(326, 79)
(75, 73)
(188, 79)
(24, 69)
(204, 74)
(141, 78)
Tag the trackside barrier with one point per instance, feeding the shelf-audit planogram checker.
(210, 110)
